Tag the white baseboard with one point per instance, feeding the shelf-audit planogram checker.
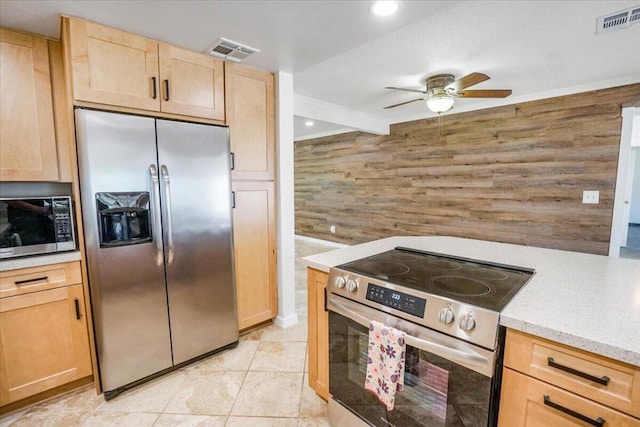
(285, 322)
(321, 242)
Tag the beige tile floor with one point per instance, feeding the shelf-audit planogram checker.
(261, 383)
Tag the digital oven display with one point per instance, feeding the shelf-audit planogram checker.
(398, 300)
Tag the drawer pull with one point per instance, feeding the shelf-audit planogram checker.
(599, 422)
(78, 316)
(604, 380)
(35, 279)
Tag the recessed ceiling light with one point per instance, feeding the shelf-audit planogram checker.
(384, 8)
(309, 123)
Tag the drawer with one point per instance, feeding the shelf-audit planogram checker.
(526, 401)
(601, 379)
(33, 279)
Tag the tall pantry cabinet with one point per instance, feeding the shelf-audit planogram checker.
(250, 115)
(45, 320)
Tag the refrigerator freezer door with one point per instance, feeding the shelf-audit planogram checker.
(127, 284)
(196, 197)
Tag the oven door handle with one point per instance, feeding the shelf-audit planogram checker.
(467, 355)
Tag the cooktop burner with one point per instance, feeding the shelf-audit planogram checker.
(479, 283)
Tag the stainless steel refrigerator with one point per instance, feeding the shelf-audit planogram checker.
(156, 201)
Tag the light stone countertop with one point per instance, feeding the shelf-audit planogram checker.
(36, 261)
(591, 302)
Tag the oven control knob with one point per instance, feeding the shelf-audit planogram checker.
(446, 315)
(467, 322)
(352, 285)
(340, 282)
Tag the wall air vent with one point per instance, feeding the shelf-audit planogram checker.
(230, 50)
(618, 20)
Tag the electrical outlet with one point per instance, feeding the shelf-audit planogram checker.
(332, 229)
(591, 197)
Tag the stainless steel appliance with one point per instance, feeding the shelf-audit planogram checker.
(156, 200)
(449, 308)
(36, 226)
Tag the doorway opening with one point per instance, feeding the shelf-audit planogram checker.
(625, 226)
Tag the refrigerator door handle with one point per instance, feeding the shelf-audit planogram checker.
(155, 202)
(164, 171)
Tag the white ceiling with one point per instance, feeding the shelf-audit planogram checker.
(341, 55)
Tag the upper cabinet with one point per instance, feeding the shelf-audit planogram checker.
(28, 138)
(113, 67)
(250, 102)
(192, 83)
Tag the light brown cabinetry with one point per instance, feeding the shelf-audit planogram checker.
(117, 68)
(318, 336)
(250, 115)
(547, 383)
(44, 341)
(27, 140)
(254, 245)
(250, 103)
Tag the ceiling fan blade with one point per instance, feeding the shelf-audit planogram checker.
(494, 93)
(403, 103)
(406, 90)
(466, 81)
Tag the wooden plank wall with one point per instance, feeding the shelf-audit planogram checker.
(510, 174)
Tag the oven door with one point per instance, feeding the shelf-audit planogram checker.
(448, 382)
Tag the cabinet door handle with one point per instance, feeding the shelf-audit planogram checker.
(603, 380)
(233, 199)
(325, 300)
(166, 89)
(599, 422)
(35, 279)
(155, 89)
(233, 161)
(78, 316)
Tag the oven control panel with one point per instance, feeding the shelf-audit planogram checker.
(466, 322)
(395, 299)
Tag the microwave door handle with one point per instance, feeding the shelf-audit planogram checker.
(164, 171)
(155, 207)
(466, 357)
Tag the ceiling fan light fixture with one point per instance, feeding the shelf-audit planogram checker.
(384, 8)
(440, 103)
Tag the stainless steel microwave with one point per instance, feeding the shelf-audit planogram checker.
(36, 226)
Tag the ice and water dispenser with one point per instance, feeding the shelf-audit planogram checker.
(123, 218)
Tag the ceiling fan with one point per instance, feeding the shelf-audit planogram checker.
(442, 89)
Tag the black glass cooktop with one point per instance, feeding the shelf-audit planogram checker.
(480, 283)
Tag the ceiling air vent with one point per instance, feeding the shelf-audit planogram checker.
(635, 16)
(618, 20)
(230, 50)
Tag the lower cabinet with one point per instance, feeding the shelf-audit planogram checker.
(44, 340)
(254, 235)
(318, 324)
(550, 384)
(530, 402)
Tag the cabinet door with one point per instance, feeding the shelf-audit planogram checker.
(191, 83)
(318, 332)
(43, 342)
(255, 248)
(251, 119)
(112, 67)
(27, 139)
(526, 401)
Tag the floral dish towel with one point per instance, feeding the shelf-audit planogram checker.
(385, 362)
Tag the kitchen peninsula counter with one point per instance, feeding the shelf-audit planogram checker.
(586, 301)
